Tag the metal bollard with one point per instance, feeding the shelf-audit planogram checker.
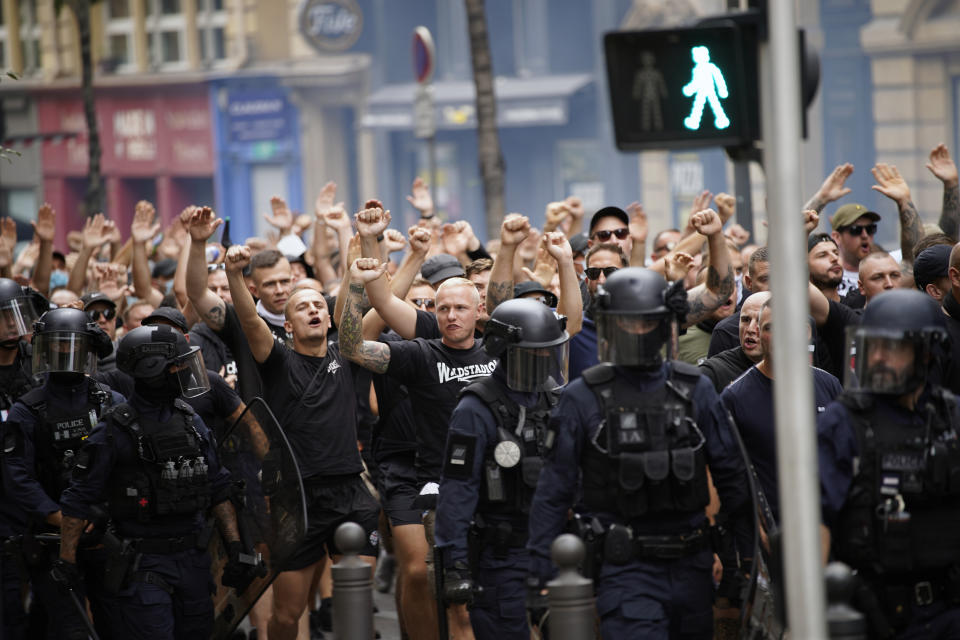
(570, 594)
(843, 621)
(352, 586)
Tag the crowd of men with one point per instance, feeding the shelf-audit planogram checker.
(185, 416)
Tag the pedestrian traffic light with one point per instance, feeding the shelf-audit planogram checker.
(690, 87)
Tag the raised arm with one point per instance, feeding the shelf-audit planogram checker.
(943, 167)
(891, 184)
(720, 284)
(208, 305)
(569, 302)
(369, 354)
(514, 230)
(44, 230)
(373, 322)
(832, 188)
(180, 275)
(96, 231)
(254, 327)
(638, 232)
(142, 231)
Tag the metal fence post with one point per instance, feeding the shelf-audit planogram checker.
(352, 586)
(570, 594)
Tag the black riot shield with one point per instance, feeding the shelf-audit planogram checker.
(270, 505)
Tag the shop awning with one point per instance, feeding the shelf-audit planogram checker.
(521, 102)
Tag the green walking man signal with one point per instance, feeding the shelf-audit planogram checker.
(706, 85)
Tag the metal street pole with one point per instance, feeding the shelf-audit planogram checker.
(793, 391)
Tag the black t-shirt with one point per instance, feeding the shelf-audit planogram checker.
(394, 432)
(725, 335)
(249, 384)
(834, 334)
(313, 399)
(750, 401)
(216, 355)
(434, 374)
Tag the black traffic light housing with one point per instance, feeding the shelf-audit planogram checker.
(664, 95)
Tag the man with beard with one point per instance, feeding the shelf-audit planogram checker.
(854, 227)
(888, 457)
(823, 262)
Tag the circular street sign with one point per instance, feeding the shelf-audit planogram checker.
(423, 55)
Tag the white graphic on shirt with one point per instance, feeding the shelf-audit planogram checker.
(468, 373)
(333, 366)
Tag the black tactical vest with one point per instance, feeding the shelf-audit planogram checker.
(903, 506)
(169, 476)
(512, 463)
(19, 380)
(646, 457)
(59, 434)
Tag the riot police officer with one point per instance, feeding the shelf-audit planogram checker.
(492, 463)
(639, 433)
(19, 309)
(890, 471)
(153, 460)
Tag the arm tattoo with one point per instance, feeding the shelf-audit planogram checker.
(950, 214)
(369, 354)
(70, 530)
(709, 299)
(227, 519)
(497, 293)
(816, 203)
(215, 315)
(910, 230)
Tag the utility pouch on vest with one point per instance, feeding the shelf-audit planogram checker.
(493, 477)
(632, 471)
(895, 544)
(683, 463)
(530, 470)
(618, 545)
(656, 465)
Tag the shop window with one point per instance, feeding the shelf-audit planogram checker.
(118, 56)
(212, 23)
(166, 27)
(29, 37)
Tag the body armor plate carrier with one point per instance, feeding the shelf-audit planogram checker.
(169, 478)
(646, 456)
(58, 435)
(512, 463)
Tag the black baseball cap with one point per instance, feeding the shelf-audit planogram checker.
(532, 286)
(578, 243)
(932, 263)
(440, 267)
(170, 315)
(609, 212)
(95, 297)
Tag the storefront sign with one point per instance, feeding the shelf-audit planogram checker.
(258, 115)
(330, 25)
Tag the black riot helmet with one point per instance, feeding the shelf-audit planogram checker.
(635, 314)
(19, 309)
(160, 355)
(66, 341)
(894, 346)
(531, 342)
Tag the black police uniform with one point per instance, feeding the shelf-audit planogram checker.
(155, 463)
(638, 440)
(46, 428)
(890, 477)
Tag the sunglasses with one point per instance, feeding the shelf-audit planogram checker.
(427, 303)
(857, 229)
(665, 247)
(593, 273)
(108, 314)
(605, 235)
(216, 267)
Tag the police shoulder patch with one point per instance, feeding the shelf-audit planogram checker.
(461, 449)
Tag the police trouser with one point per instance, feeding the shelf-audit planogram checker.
(499, 612)
(657, 599)
(63, 618)
(14, 615)
(168, 598)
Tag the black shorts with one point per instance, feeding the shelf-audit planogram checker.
(330, 504)
(398, 489)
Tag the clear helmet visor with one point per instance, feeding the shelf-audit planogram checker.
(884, 361)
(633, 340)
(63, 352)
(16, 318)
(537, 368)
(192, 373)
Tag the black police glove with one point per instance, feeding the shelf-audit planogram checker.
(538, 606)
(241, 567)
(458, 587)
(94, 537)
(67, 575)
